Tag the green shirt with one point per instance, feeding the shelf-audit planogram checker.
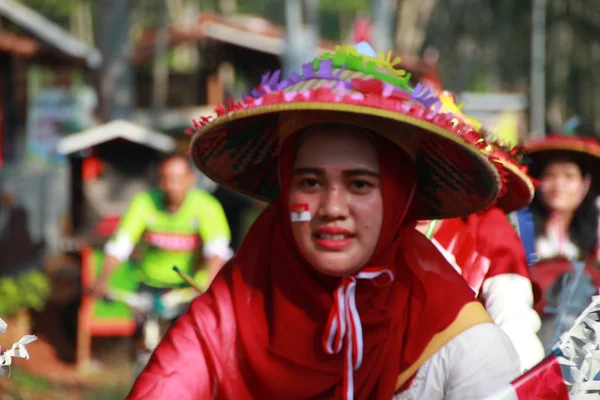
(169, 239)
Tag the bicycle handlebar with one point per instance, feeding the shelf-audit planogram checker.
(165, 305)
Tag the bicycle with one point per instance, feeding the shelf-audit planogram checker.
(157, 311)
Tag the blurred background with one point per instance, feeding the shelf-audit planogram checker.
(93, 92)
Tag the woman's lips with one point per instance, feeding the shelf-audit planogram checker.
(333, 238)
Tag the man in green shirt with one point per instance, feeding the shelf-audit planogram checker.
(174, 224)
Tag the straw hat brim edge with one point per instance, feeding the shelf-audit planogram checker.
(517, 203)
(425, 126)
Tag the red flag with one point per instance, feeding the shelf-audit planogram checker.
(300, 212)
(544, 381)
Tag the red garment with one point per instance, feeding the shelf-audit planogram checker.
(257, 332)
(485, 245)
(497, 239)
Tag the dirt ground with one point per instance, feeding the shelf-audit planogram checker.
(46, 377)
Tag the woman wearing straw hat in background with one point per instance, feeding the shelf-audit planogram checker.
(486, 250)
(565, 215)
(333, 293)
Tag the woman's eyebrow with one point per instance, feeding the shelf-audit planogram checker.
(348, 172)
(307, 171)
(361, 171)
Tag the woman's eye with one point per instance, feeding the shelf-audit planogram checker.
(361, 185)
(308, 183)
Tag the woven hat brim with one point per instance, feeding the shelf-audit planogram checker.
(238, 150)
(566, 145)
(519, 188)
(590, 154)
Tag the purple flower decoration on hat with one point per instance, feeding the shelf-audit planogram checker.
(424, 96)
(270, 81)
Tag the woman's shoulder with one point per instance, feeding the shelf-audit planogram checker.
(475, 363)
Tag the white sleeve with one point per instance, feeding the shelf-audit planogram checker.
(509, 301)
(120, 247)
(218, 248)
(475, 364)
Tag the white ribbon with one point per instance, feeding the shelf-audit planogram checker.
(344, 325)
(18, 350)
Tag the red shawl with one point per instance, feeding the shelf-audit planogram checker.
(257, 332)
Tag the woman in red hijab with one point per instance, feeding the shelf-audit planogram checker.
(333, 294)
(487, 251)
(567, 220)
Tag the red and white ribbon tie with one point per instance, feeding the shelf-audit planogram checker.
(344, 325)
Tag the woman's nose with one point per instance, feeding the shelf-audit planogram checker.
(334, 204)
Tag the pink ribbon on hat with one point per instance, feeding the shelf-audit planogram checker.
(344, 325)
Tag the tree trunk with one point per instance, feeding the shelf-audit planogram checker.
(295, 40)
(559, 62)
(117, 77)
(383, 11)
(160, 71)
(411, 27)
(228, 7)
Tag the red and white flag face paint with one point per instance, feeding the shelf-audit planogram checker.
(300, 212)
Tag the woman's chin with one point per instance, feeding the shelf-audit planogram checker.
(336, 265)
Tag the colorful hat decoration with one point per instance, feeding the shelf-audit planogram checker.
(517, 187)
(238, 149)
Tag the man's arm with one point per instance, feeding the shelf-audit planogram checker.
(213, 266)
(216, 235)
(119, 248)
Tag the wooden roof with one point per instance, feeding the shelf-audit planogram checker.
(43, 31)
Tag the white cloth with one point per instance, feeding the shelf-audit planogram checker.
(508, 299)
(549, 247)
(218, 247)
(475, 364)
(120, 248)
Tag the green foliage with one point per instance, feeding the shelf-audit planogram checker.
(30, 290)
(352, 6)
(27, 382)
(107, 393)
(58, 11)
(330, 12)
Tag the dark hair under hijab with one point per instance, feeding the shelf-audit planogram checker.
(583, 229)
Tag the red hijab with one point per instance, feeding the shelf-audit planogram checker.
(258, 331)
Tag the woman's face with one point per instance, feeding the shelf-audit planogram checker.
(563, 186)
(336, 173)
